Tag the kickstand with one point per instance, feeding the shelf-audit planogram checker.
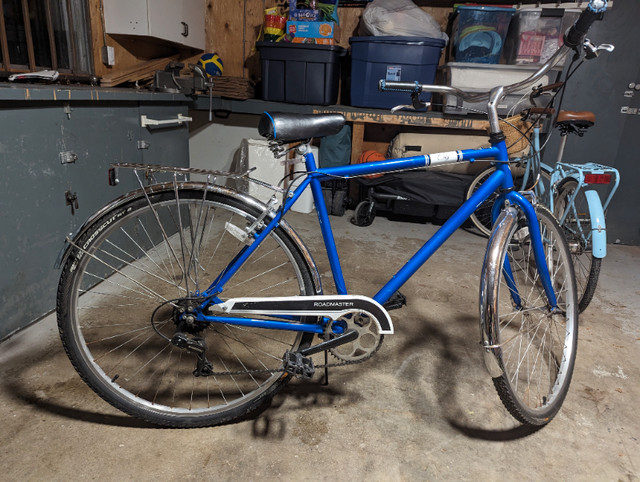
(326, 368)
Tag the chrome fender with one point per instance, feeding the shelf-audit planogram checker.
(491, 272)
(169, 186)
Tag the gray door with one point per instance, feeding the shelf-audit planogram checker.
(607, 86)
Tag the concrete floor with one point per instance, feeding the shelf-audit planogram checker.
(423, 408)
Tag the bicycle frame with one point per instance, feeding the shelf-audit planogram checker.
(500, 180)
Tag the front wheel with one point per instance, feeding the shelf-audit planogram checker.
(133, 274)
(530, 347)
(576, 222)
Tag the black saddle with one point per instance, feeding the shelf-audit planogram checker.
(285, 127)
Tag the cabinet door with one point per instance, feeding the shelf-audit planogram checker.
(180, 22)
(126, 17)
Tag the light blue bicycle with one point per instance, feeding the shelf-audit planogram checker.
(573, 192)
(189, 304)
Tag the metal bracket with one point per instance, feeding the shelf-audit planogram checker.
(145, 121)
(71, 199)
(142, 144)
(67, 157)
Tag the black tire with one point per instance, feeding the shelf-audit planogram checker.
(577, 229)
(364, 213)
(531, 350)
(481, 218)
(138, 257)
(339, 203)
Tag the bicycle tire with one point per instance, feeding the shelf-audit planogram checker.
(140, 255)
(481, 217)
(577, 228)
(531, 351)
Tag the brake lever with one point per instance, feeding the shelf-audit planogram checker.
(416, 104)
(591, 51)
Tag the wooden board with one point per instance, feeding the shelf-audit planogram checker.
(141, 71)
(232, 28)
(422, 120)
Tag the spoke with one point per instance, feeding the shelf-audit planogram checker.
(134, 266)
(157, 217)
(145, 253)
(149, 290)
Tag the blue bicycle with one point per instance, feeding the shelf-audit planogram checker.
(189, 304)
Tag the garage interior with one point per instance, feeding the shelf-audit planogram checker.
(424, 406)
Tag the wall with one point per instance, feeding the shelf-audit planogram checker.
(599, 86)
(213, 145)
(39, 125)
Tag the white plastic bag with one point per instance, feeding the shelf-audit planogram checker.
(401, 18)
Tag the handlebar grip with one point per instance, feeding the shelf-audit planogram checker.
(576, 34)
(393, 86)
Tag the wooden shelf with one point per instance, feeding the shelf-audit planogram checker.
(359, 117)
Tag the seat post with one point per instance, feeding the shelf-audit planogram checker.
(563, 142)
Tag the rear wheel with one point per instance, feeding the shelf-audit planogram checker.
(132, 276)
(577, 229)
(481, 218)
(531, 348)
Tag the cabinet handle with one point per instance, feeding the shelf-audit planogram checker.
(185, 29)
(145, 121)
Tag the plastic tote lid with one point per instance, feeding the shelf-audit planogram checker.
(385, 39)
(484, 8)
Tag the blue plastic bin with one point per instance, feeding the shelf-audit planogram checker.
(478, 33)
(403, 59)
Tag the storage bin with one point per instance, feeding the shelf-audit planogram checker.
(405, 59)
(536, 33)
(483, 77)
(300, 73)
(478, 33)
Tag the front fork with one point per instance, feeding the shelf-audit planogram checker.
(537, 243)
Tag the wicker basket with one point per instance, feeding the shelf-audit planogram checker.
(517, 133)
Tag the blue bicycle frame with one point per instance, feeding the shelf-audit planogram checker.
(501, 180)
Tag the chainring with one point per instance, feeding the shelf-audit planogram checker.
(368, 341)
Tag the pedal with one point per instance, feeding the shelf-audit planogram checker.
(297, 364)
(397, 300)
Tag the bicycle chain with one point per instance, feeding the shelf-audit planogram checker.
(282, 370)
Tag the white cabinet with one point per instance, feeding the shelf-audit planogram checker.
(180, 22)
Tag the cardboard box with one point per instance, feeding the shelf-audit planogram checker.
(319, 30)
(316, 41)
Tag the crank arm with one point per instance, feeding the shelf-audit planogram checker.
(343, 339)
